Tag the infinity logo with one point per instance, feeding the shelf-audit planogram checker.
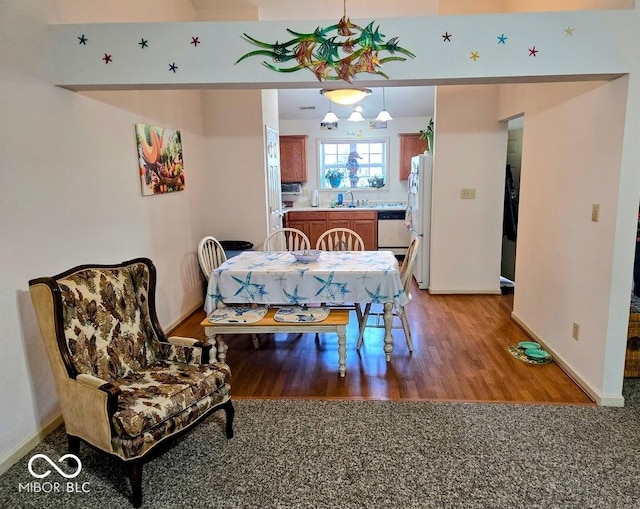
(54, 466)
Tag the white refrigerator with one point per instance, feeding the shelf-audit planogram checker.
(419, 214)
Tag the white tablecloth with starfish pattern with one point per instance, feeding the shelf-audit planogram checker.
(276, 277)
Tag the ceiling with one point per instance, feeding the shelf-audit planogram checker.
(309, 104)
(299, 10)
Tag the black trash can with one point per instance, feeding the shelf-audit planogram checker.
(233, 247)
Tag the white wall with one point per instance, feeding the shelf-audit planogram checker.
(572, 149)
(397, 190)
(71, 192)
(590, 51)
(233, 192)
(470, 152)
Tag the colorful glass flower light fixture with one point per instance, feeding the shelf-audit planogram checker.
(353, 49)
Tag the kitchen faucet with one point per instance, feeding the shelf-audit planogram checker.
(352, 204)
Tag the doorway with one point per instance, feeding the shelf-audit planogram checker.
(515, 128)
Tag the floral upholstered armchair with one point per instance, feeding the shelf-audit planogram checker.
(124, 387)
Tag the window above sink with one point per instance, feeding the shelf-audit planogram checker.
(352, 165)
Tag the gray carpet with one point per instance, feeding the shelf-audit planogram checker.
(374, 454)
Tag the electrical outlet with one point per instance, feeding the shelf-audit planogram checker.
(468, 194)
(595, 212)
(575, 332)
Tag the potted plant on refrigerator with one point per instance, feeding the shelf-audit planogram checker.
(427, 134)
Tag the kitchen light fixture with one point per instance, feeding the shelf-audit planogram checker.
(384, 115)
(356, 116)
(330, 116)
(345, 96)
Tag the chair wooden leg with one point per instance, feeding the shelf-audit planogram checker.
(73, 443)
(256, 343)
(359, 313)
(230, 412)
(407, 330)
(363, 324)
(135, 478)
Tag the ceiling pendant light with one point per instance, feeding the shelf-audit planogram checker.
(330, 117)
(356, 115)
(345, 96)
(384, 115)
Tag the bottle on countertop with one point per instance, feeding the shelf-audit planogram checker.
(315, 202)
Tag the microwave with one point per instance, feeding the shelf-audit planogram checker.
(294, 188)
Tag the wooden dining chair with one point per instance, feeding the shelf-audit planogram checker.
(406, 272)
(210, 256)
(286, 239)
(340, 239)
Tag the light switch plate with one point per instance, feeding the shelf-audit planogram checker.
(595, 212)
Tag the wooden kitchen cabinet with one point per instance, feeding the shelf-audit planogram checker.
(363, 222)
(410, 145)
(293, 158)
(314, 223)
(366, 225)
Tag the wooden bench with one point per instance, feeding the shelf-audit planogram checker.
(336, 322)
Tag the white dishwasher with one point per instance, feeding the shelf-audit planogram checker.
(392, 234)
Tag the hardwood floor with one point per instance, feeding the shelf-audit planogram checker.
(460, 353)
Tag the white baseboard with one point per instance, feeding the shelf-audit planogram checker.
(592, 392)
(168, 328)
(490, 291)
(22, 449)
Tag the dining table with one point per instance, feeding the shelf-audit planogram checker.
(337, 277)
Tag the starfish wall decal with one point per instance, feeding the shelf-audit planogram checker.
(341, 56)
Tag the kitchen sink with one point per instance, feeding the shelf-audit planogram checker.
(390, 205)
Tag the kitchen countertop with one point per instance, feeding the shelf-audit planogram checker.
(372, 206)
